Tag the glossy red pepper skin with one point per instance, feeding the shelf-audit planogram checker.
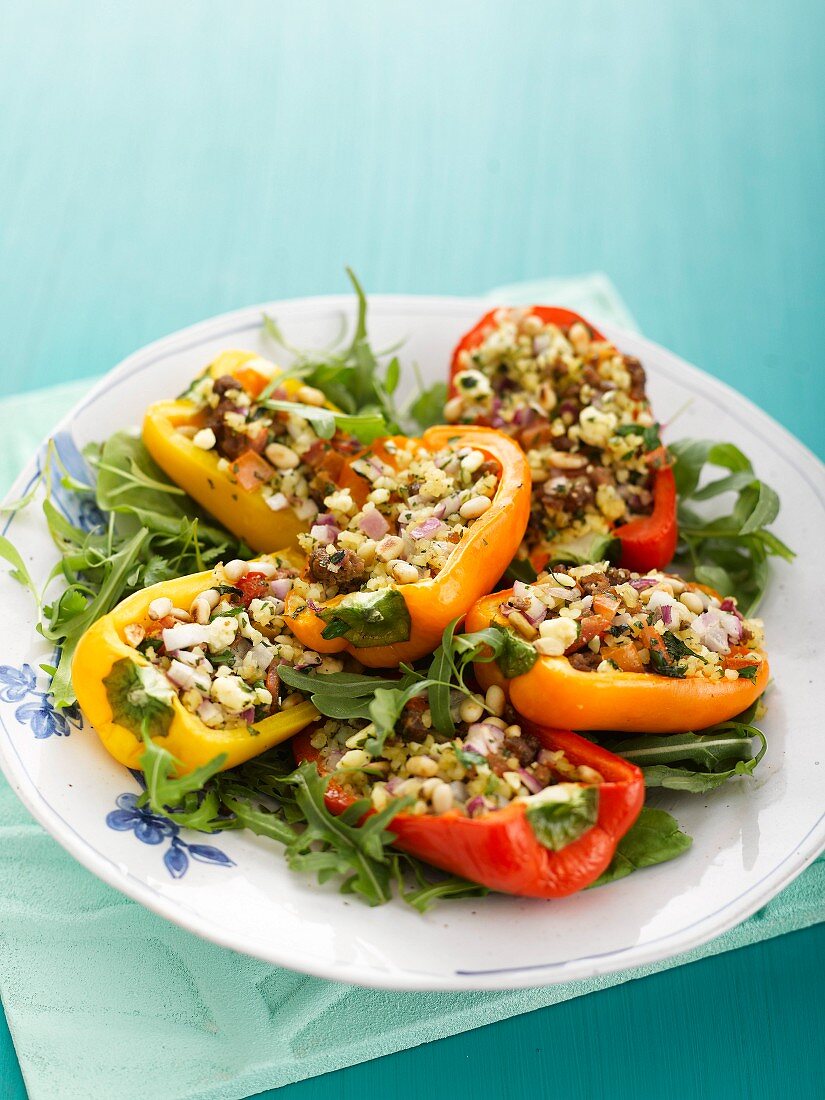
(500, 849)
(648, 542)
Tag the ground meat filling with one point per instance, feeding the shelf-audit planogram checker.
(580, 411)
(221, 655)
(604, 619)
(486, 766)
(399, 520)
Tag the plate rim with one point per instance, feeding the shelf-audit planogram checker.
(699, 932)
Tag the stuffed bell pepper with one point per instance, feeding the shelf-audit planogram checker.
(601, 484)
(415, 530)
(515, 806)
(600, 648)
(236, 441)
(193, 663)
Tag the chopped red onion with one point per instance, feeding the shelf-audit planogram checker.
(185, 677)
(281, 588)
(324, 533)
(524, 416)
(536, 611)
(277, 502)
(373, 524)
(714, 628)
(309, 660)
(326, 518)
(666, 611)
(643, 582)
(530, 782)
(247, 715)
(483, 738)
(428, 529)
(476, 805)
(209, 711)
(261, 656)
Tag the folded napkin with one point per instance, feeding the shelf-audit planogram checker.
(91, 981)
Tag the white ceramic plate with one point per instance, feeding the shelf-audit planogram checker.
(751, 837)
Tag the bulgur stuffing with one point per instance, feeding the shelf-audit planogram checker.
(490, 762)
(580, 411)
(221, 655)
(273, 451)
(418, 505)
(603, 619)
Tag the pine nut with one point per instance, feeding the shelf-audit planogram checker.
(495, 700)
(403, 573)
(579, 337)
(281, 457)
(474, 507)
(308, 395)
(471, 462)
(422, 766)
(355, 758)
(234, 570)
(134, 634)
(204, 439)
(292, 701)
(201, 611)
(181, 615)
(522, 625)
(453, 410)
(470, 710)
(160, 608)
(513, 731)
(692, 602)
(442, 799)
(390, 547)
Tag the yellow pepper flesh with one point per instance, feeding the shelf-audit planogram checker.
(196, 471)
(189, 739)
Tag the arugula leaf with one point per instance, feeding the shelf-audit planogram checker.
(654, 838)
(177, 798)
(369, 618)
(19, 572)
(516, 656)
(693, 762)
(730, 551)
(428, 407)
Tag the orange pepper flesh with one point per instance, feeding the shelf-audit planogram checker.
(500, 849)
(222, 493)
(189, 739)
(472, 568)
(627, 702)
(648, 542)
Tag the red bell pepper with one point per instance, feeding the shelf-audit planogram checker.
(500, 849)
(648, 542)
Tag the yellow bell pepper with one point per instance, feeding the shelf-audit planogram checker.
(188, 739)
(243, 512)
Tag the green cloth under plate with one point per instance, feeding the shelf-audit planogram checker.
(79, 961)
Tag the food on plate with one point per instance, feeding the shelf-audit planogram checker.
(516, 807)
(461, 755)
(602, 648)
(414, 531)
(193, 664)
(243, 444)
(602, 486)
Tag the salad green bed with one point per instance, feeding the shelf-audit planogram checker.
(150, 531)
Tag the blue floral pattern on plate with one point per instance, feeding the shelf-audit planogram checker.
(152, 828)
(16, 684)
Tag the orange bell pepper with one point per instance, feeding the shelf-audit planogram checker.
(471, 570)
(624, 701)
(500, 849)
(647, 542)
(229, 495)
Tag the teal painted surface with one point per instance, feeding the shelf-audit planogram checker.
(163, 162)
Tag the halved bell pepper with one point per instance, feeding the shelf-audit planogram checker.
(405, 622)
(647, 542)
(627, 702)
(243, 511)
(501, 849)
(187, 738)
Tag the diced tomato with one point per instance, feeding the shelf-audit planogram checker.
(592, 626)
(605, 605)
(251, 471)
(740, 657)
(251, 381)
(254, 586)
(625, 657)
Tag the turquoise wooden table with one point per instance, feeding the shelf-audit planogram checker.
(161, 163)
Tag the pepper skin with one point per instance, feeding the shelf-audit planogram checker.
(471, 570)
(243, 512)
(648, 542)
(627, 702)
(189, 740)
(500, 849)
